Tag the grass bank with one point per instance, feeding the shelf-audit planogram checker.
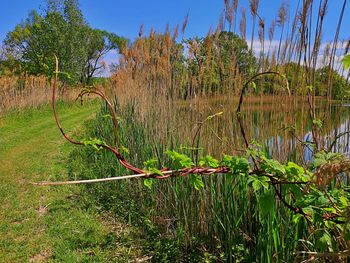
(52, 224)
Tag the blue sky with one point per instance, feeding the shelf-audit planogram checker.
(125, 17)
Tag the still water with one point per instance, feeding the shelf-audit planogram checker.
(281, 125)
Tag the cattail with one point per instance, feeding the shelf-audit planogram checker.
(141, 31)
(235, 6)
(243, 24)
(281, 19)
(272, 30)
(220, 26)
(176, 32)
(326, 53)
(184, 24)
(273, 58)
(261, 29)
(282, 14)
(229, 9)
(347, 47)
(261, 34)
(303, 15)
(323, 9)
(254, 4)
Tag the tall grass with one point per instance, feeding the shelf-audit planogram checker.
(20, 92)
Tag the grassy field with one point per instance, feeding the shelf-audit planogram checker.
(51, 224)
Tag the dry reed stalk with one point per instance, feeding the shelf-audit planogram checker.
(254, 5)
(243, 24)
(281, 20)
(29, 91)
(235, 7)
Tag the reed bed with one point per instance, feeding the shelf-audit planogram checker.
(18, 92)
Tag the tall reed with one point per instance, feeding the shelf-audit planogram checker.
(20, 92)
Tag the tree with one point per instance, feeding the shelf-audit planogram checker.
(221, 59)
(61, 30)
(340, 86)
(99, 43)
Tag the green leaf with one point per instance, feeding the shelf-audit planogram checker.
(267, 202)
(323, 157)
(214, 115)
(296, 172)
(209, 161)
(253, 85)
(318, 122)
(148, 183)
(308, 210)
(297, 218)
(196, 181)
(325, 241)
(238, 165)
(155, 171)
(273, 166)
(258, 182)
(151, 163)
(180, 160)
(256, 185)
(346, 61)
(125, 150)
(295, 189)
(344, 201)
(94, 143)
(243, 164)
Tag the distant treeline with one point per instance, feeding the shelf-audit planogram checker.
(168, 63)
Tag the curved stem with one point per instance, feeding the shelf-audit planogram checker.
(120, 158)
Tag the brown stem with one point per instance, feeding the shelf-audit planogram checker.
(120, 158)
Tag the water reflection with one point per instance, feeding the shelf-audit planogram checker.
(281, 124)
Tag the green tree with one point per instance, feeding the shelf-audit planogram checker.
(220, 60)
(340, 86)
(99, 43)
(61, 30)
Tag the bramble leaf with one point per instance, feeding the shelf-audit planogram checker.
(196, 181)
(180, 160)
(151, 163)
(125, 150)
(318, 122)
(209, 161)
(148, 183)
(267, 202)
(94, 143)
(273, 166)
(296, 172)
(346, 61)
(325, 241)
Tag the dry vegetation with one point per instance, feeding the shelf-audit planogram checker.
(18, 92)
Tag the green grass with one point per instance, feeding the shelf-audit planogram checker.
(52, 223)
